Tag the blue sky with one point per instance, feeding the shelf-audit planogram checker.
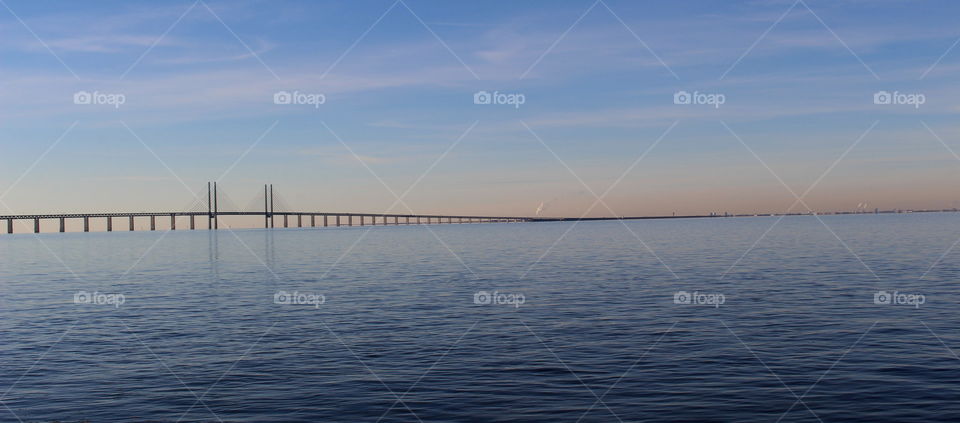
(598, 79)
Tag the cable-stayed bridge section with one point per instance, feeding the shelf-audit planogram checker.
(209, 208)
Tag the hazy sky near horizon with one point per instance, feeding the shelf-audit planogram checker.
(598, 80)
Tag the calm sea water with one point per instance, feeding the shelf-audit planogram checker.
(205, 332)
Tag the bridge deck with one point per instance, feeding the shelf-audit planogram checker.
(242, 213)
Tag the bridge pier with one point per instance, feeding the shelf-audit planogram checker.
(36, 226)
(131, 223)
(109, 224)
(9, 226)
(299, 220)
(313, 221)
(192, 226)
(86, 223)
(361, 220)
(153, 223)
(350, 220)
(285, 221)
(173, 222)
(63, 225)
(324, 221)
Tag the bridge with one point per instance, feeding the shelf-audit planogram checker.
(301, 218)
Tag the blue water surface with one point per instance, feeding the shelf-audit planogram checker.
(557, 322)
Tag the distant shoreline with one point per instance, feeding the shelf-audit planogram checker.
(702, 216)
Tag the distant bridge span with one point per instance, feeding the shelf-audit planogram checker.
(313, 219)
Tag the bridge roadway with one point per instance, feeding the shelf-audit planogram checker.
(328, 219)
